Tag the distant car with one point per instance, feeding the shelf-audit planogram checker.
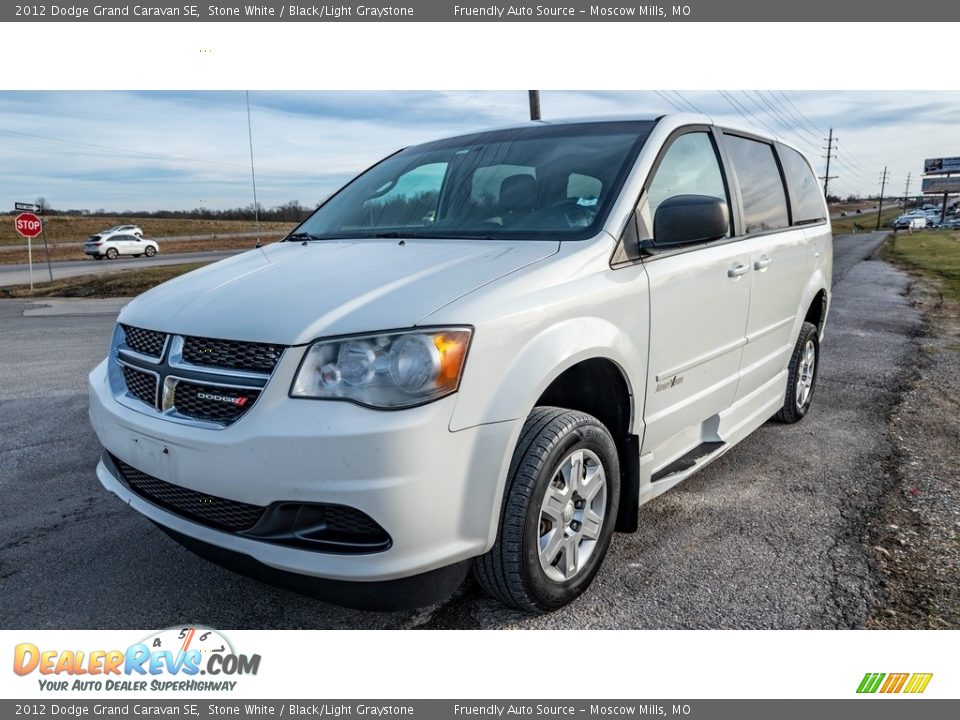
(859, 210)
(114, 246)
(843, 214)
(121, 230)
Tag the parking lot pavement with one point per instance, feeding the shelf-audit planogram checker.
(769, 536)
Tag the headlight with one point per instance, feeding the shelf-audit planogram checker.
(387, 370)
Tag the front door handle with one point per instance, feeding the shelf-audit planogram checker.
(762, 263)
(737, 270)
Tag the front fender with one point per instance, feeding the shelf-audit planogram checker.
(500, 386)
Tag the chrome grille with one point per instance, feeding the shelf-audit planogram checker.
(142, 385)
(254, 357)
(187, 379)
(213, 402)
(147, 342)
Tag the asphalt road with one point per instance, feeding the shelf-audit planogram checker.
(19, 274)
(772, 535)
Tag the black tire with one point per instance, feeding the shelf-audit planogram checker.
(793, 410)
(112, 253)
(98, 257)
(150, 251)
(140, 255)
(511, 571)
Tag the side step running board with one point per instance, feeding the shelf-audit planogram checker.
(687, 461)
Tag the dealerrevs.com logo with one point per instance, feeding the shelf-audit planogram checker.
(180, 659)
(892, 683)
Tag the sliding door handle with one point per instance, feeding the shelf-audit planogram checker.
(762, 263)
(737, 270)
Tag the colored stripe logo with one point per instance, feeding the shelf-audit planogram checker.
(912, 683)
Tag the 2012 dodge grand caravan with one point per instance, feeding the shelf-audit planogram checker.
(483, 352)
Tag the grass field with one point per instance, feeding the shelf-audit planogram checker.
(865, 223)
(167, 247)
(64, 228)
(126, 283)
(935, 253)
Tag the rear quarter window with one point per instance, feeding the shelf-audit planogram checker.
(761, 187)
(806, 199)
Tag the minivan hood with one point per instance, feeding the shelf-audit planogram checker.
(290, 293)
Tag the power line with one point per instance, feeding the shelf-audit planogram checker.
(667, 98)
(793, 116)
(684, 99)
(801, 114)
(806, 119)
(793, 128)
(742, 110)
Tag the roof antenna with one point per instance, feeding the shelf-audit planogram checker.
(253, 175)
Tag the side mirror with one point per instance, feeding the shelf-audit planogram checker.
(684, 219)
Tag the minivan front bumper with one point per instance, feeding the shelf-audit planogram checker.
(435, 492)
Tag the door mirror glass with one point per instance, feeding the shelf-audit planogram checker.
(685, 219)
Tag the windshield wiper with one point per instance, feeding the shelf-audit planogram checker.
(395, 234)
(305, 236)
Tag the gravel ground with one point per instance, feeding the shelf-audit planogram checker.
(916, 540)
(776, 534)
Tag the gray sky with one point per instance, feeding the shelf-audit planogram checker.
(181, 150)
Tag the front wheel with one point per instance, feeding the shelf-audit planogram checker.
(150, 251)
(558, 514)
(802, 375)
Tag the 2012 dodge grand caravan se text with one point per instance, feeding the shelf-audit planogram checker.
(483, 352)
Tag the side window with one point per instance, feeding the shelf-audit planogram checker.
(689, 167)
(761, 187)
(806, 198)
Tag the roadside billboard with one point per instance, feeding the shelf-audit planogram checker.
(941, 166)
(941, 185)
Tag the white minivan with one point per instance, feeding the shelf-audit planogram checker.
(483, 353)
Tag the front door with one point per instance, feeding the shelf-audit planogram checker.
(699, 300)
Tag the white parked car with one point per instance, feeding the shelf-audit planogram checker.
(114, 246)
(484, 352)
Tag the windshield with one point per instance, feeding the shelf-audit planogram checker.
(555, 181)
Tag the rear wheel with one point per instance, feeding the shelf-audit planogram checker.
(558, 513)
(98, 257)
(112, 253)
(802, 379)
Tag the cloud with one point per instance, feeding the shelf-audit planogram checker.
(174, 150)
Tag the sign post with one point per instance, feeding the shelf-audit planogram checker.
(46, 249)
(29, 226)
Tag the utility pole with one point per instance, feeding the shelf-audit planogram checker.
(883, 187)
(827, 177)
(534, 104)
(906, 193)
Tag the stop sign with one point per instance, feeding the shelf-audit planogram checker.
(28, 225)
